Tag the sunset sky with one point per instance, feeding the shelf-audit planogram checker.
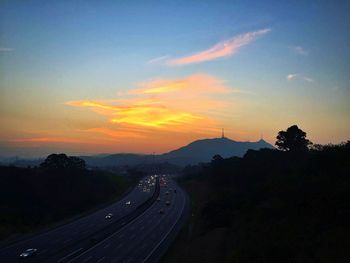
(86, 77)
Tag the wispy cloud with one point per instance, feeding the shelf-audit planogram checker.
(49, 140)
(6, 49)
(291, 76)
(201, 82)
(163, 104)
(299, 50)
(298, 76)
(157, 60)
(139, 113)
(119, 134)
(308, 79)
(222, 49)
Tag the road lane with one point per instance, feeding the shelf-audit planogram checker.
(137, 241)
(51, 241)
(141, 239)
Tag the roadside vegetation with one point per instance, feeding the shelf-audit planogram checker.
(286, 205)
(61, 188)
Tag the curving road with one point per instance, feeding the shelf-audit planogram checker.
(139, 240)
(136, 233)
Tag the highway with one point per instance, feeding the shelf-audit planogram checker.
(136, 233)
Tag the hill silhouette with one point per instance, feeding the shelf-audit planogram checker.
(193, 153)
(204, 150)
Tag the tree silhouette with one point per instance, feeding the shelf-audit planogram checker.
(217, 158)
(62, 161)
(293, 140)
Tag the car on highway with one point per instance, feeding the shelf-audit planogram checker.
(167, 202)
(128, 203)
(175, 191)
(109, 216)
(167, 192)
(158, 199)
(161, 211)
(30, 252)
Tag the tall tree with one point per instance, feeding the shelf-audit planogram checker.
(62, 161)
(294, 140)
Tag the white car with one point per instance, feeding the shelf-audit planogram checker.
(109, 216)
(30, 252)
(128, 203)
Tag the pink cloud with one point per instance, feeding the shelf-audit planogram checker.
(222, 49)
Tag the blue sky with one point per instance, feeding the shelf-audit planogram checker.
(54, 52)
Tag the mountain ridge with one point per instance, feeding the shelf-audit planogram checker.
(195, 152)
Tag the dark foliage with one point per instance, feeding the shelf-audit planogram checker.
(294, 140)
(281, 206)
(61, 161)
(61, 187)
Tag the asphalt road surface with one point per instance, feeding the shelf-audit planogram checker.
(135, 233)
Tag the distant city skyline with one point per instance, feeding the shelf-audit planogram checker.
(89, 77)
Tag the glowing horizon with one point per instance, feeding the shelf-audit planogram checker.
(104, 78)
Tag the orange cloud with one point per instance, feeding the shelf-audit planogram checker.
(149, 115)
(201, 83)
(48, 139)
(158, 119)
(222, 49)
(162, 104)
(118, 134)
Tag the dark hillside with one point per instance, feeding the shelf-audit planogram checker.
(273, 206)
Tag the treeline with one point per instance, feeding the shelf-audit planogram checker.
(61, 187)
(279, 206)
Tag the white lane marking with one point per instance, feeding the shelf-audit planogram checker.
(74, 252)
(144, 244)
(120, 230)
(107, 245)
(87, 259)
(165, 236)
(101, 259)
